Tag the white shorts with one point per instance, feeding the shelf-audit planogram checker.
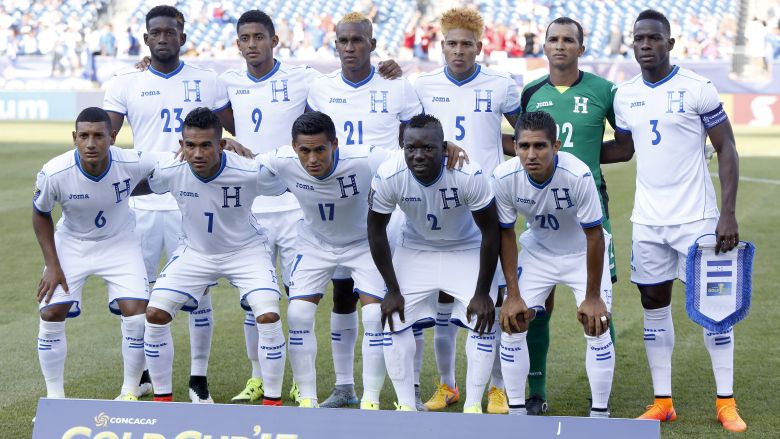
(116, 259)
(184, 279)
(393, 235)
(539, 271)
(281, 230)
(658, 253)
(157, 230)
(423, 273)
(314, 267)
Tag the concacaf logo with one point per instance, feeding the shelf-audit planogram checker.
(101, 420)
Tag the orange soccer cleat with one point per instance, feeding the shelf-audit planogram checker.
(661, 410)
(728, 415)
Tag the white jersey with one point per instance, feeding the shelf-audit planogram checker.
(264, 110)
(93, 208)
(438, 215)
(216, 212)
(367, 112)
(556, 210)
(668, 122)
(471, 110)
(156, 104)
(335, 206)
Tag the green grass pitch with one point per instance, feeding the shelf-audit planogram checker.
(93, 368)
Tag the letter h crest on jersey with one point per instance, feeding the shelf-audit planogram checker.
(479, 100)
(445, 199)
(382, 100)
(190, 91)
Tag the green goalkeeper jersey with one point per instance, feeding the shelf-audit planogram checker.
(579, 112)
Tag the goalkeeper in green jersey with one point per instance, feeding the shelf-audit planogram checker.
(580, 103)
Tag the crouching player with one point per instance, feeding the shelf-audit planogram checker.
(94, 237)
(214, 190)
(451, 228)
(564, 243)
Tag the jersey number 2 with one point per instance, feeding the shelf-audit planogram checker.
(165, 114)
(349, 127)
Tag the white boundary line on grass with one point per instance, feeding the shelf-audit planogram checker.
(755, 180)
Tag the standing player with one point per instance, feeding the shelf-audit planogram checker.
(366, 109)
(665, 114)
(580, 102)
(93, 237)
(556, 195)
(470, 100)
(214, 190)
(450, 227)
(155, 102)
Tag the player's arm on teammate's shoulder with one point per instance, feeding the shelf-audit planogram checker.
(226, 119)
(383, 259)
(456, 156)
(621, 149)
(593, 307)
(389, 69)
(481, 305)
(43, 225)
(727, 231)
(508, 140)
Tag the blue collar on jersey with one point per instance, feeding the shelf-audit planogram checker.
(465, 81)
(276, 66)
(361, 82)
(441, 172)
(167, 75)
(222, 163)
(86, 174)
(546, 182)
(666, 79)
(332, 168)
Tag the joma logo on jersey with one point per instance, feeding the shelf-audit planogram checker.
(410, 199)
(637, 104)
(337, 101)
(188, 194)
(544, 104)
(307, 187)
(78, 197)
(525, 201)
(150, 93)
(440, 99)
(580, 105)
(242, 92)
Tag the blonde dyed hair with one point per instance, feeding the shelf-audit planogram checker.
(357, 17)
(463, 18)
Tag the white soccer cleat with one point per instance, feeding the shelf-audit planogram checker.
(197, 399)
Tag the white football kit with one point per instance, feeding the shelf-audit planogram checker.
(471, 110)
(556, 212)
(675, 199)
(333, 231)
(439, 245)
(155, 105)
(367, 112)
(94, 234)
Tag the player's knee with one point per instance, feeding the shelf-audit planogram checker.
(344, 297)
(300, 314)
(445, 298)
(130, 308)
(269, 317)
(653, 302)
(157, 316)
(55, 313)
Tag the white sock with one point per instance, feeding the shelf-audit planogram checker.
(158, 346)
(600, 366)
(444, 336)
(419, 341)
(720, 345)
(201, 331)
(343, 337)
(515, 366)
(132, 351)
(373, 356)
(496, 377)
(272, 357)
(302, 346)
(659, 345)
(399, 358)
(250, 337)
(52, 350)
(480, 352)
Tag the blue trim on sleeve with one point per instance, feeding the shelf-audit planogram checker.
(487, 206)
(41, 211)
(223, 108)
(507, 225)
(593, 224)
(515, 111)
(622, 130)
(117, 112)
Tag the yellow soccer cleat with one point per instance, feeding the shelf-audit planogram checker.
(728, 415)
(474, 409)
(126, 397)
(308, 403)
(295, 393)
(368, 405)
(403, 408)
(498, 403)
(252, 392)
(661, 410)
(443, 397)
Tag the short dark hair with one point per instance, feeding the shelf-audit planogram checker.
(425, 120)
(165, 11)
(203, 118)
(256, 16)
(313, 123)
(93, 114)
(536, 121)
(565, 21)
(651, 14)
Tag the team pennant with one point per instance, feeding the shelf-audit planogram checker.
(718, 287)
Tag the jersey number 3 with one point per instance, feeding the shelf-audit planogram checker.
(654, 129)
